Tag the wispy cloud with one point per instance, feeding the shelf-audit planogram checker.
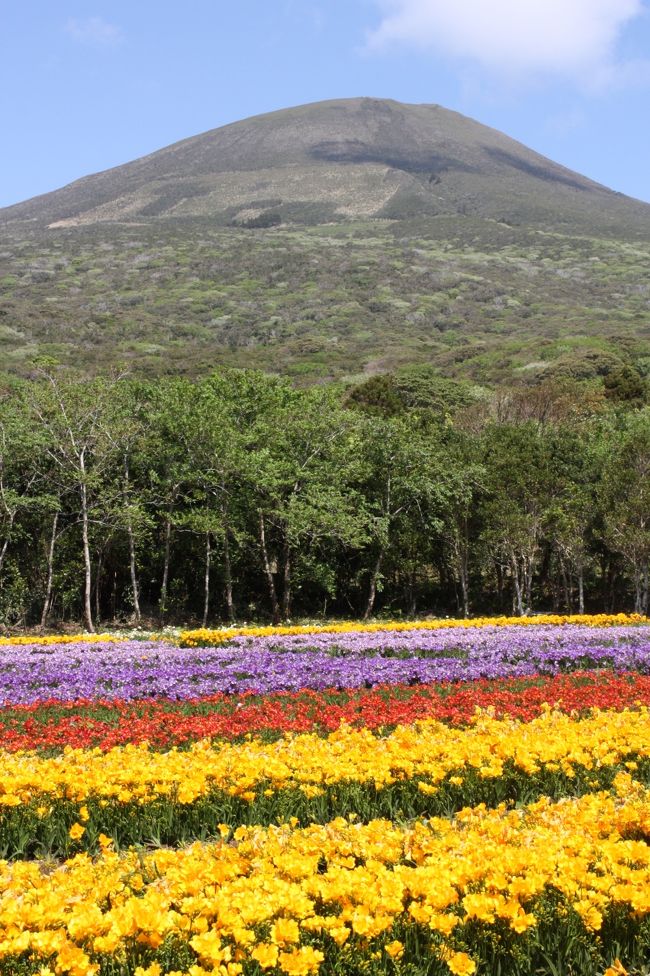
(565, 123)
(575, 38)
(94, 30)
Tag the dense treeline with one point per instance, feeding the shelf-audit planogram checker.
(238, 496)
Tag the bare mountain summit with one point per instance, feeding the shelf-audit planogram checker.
(340, 160)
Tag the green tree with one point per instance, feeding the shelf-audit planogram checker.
(519, 490)
(625, 499)
(71, 415)
(409, 481)
(305, 453)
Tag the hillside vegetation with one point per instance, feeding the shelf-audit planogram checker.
(475, 299)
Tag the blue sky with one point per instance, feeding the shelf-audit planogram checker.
(89, 85)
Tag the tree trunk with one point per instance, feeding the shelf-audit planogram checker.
(132, 561)
(113, 596)
(5, 544)
(206, 601)
(581, 590)
(85, 536)
(275, 606)
(499, 574)
(461, 546)
(464, 589)
(162, 605)
(286, 582)
(611, 585)
(637, 590)
(568, 602)
(134, 576)
(411, 599)
(555, 599)
(529, 572)
(463, 575)
(230, 606)
(372, 592)
(98, 578)
(47, 601)
(518, 595)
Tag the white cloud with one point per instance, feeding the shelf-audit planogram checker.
(567, 37)
(93, 30)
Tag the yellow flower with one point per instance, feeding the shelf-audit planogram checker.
(265, 954)
(10, 800)
(209, 946)
(522, 922)
(77, 831)
(59, 639)
(461, 964)
(214, 896)
(427, 753)
(73, 960)
(204, 636)
(301, 961)
(285, 931)
(444, 923)
(589, 914)
(395, 949)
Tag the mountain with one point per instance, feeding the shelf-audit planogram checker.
(360, 157)
(326, 240)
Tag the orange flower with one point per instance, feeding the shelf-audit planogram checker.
(616, 969)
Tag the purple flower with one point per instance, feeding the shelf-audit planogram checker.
(148, 669)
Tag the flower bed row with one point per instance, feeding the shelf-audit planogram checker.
(134, 794)
(164, 723)
(130, 670)
(495, 889)
(489, 891)
(209, 637)
(206, 637)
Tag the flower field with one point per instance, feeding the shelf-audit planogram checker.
(385, 800)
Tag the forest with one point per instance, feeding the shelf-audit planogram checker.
(239, 497)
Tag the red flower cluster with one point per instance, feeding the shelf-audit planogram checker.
(164, 723)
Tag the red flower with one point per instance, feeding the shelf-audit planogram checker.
(163, 723)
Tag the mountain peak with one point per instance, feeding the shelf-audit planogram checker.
(338, 160)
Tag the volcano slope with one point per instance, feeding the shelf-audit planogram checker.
(331, 240)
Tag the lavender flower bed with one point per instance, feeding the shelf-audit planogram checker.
(454, 641)
(135, 669)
